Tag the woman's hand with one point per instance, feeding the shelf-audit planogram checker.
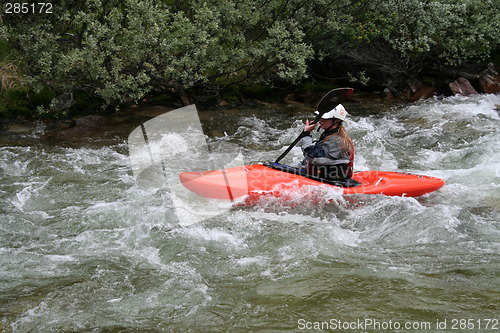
(310, 126)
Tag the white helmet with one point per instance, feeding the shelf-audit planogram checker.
(338, 112)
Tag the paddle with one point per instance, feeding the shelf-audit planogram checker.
(328, 102)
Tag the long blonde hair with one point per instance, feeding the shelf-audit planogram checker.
(345, 140)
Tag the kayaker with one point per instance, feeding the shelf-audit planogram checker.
(332, 155)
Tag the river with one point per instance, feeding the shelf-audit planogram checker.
(84, 248)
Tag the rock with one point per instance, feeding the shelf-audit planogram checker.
(19, 128)
(419, 90)
(222, 103)
(489, 80)
(93, 121)
(404, 95)
(82, 127)
(414, 84)
(52, 126)
(489, 84)
(423, 92)
(388, 95)
(462, 86)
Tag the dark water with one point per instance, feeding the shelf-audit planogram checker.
(83, 248)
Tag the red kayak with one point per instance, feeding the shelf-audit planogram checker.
(271, 178)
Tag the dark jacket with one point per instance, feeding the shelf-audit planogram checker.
(325, 158)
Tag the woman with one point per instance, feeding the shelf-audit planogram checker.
(332, 156)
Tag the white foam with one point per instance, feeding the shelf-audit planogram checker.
(215, 235)
(250, 261)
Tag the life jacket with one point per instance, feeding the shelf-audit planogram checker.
(322, 168)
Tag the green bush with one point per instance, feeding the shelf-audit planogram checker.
(119, 51)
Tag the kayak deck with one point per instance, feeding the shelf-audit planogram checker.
(258, 179)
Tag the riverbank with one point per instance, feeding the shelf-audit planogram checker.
(94, 125)
(119, 122)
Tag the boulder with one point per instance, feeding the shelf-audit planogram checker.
(462, 86)
(423, 92)
(489, 80)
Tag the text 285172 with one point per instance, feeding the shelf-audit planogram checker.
(28, 8)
